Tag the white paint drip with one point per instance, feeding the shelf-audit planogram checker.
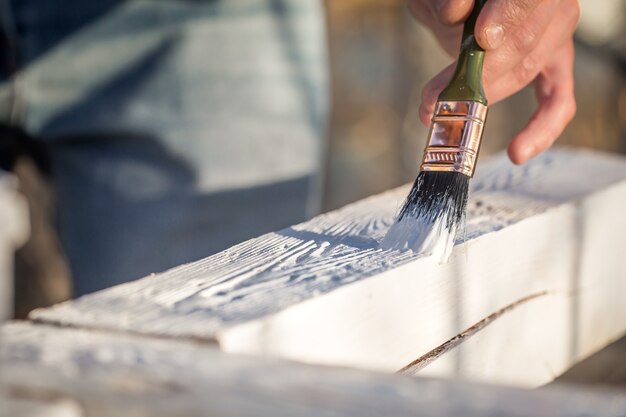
(429, 238)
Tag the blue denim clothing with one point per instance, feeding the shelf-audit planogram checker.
(177, 127)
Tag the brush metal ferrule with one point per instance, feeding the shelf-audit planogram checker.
(455, 135)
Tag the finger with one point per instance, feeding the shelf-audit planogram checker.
(453, 12)
(509, 69)
(422, 11)
(501, 80)
(446, 12)
(431, 91)
(449, 38)
(500, 18)
(557, 106)
(541, 29)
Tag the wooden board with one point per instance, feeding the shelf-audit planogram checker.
(97, 374)
(536, 283)
(36, 407)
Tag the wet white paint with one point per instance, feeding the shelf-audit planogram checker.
(423, 237)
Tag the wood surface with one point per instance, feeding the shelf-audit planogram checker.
(51, 371)
(27, 404)
(535, 284)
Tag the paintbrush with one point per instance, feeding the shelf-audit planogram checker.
(434, 211)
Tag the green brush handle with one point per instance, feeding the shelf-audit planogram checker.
(466, 83)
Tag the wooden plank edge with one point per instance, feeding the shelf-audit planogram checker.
(121, 374)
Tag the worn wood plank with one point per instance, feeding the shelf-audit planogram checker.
(535, 284)
(115, 374)
(13, 406)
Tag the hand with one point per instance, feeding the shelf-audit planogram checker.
(528, 41)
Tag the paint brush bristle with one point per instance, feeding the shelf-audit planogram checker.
(432, 214)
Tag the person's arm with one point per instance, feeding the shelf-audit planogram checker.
(529, 41)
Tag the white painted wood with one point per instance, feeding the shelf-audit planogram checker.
(543, 246)
(123, 375)
(13, 232)
(12, 407)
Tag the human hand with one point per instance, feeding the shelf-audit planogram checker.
(527, 41)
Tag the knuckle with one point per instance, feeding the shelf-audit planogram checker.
(570, 109)
(570, 15)
(525, 39)
(515, 10)
(527, 70)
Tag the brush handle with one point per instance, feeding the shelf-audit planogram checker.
(466, 83)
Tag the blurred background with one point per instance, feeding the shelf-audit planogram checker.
(380, 60)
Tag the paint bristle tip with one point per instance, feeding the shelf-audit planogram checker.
(431, 215)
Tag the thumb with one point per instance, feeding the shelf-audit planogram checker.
(499, 18)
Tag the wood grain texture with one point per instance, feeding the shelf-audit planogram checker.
(538, 275)
(101, 374)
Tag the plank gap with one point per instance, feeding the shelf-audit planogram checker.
(424, 360)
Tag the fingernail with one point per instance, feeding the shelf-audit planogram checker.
(439, 5)
(494, 35)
